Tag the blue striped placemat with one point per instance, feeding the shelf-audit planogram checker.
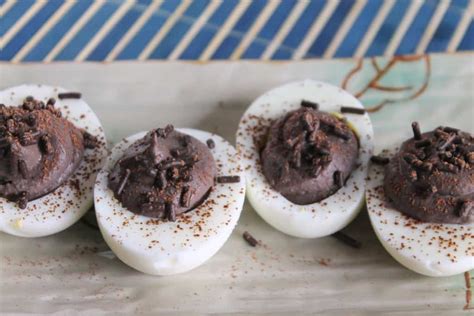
(108, 30)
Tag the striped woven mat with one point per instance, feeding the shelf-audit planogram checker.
(108, 30)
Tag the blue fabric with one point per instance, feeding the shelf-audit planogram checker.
(22, 20)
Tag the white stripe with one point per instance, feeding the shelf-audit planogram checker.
(315, 29)
(374, 28)
(403, 27)
(170, 22)
(203, 17)
(256, 27)
(21, 22)
(432, 26)
(133, 30)
(462, 27)
(346, 25)
(6, 6)
(86, 16)
(285, 29)
(43, 31)
(224, 30)
(106, 28)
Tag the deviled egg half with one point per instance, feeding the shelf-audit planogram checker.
(51, 147)
(305, 162)
(167, 200)
(420, 199)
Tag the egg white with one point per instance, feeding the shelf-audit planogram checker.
(313, 220)
(63, 207)
(427, 248)
(161, 247)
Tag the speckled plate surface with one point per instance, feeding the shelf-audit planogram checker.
(74, 272)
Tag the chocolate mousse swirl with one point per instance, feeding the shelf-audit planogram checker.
(39, 150)
(164, 174)
(309, 155)
(431, 178)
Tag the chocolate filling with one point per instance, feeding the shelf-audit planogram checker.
(431, 178)
(309, 155)
(39, 150)
(164, 174)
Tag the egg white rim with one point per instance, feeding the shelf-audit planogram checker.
(63, 207)
(199, 226)
(317, 219)
(410, 245)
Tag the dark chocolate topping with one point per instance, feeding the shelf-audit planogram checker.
(164, 174)
(39, 150)
(309, 155)
(431, 178)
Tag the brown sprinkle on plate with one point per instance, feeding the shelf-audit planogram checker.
(379, 160)
(348, 240)
(352, 110)
(228, 179)
(69, 95)
(250, 239)
(309, 104)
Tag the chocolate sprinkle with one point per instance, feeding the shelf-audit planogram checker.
(124, 181)
(69, 95)
(210, 143)
(228, 179)
(170, 211)
(416, 130)
(338, 179)
(465, 206)
(423, 143)
(448, 129)
(347, 240)
(186, 196)
(23, 168)
(379, 160)
(22, 200)
(309, 104)
(352, 110)
(250, 239)
(447, 142)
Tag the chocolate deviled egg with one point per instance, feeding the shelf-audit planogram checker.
(167, 200)
(305, 161)
(420, 199)
(51, 147)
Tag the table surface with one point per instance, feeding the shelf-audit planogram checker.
(75, 272)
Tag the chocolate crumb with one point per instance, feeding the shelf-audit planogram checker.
(250, 239)
(90, 141)
(210, 143)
